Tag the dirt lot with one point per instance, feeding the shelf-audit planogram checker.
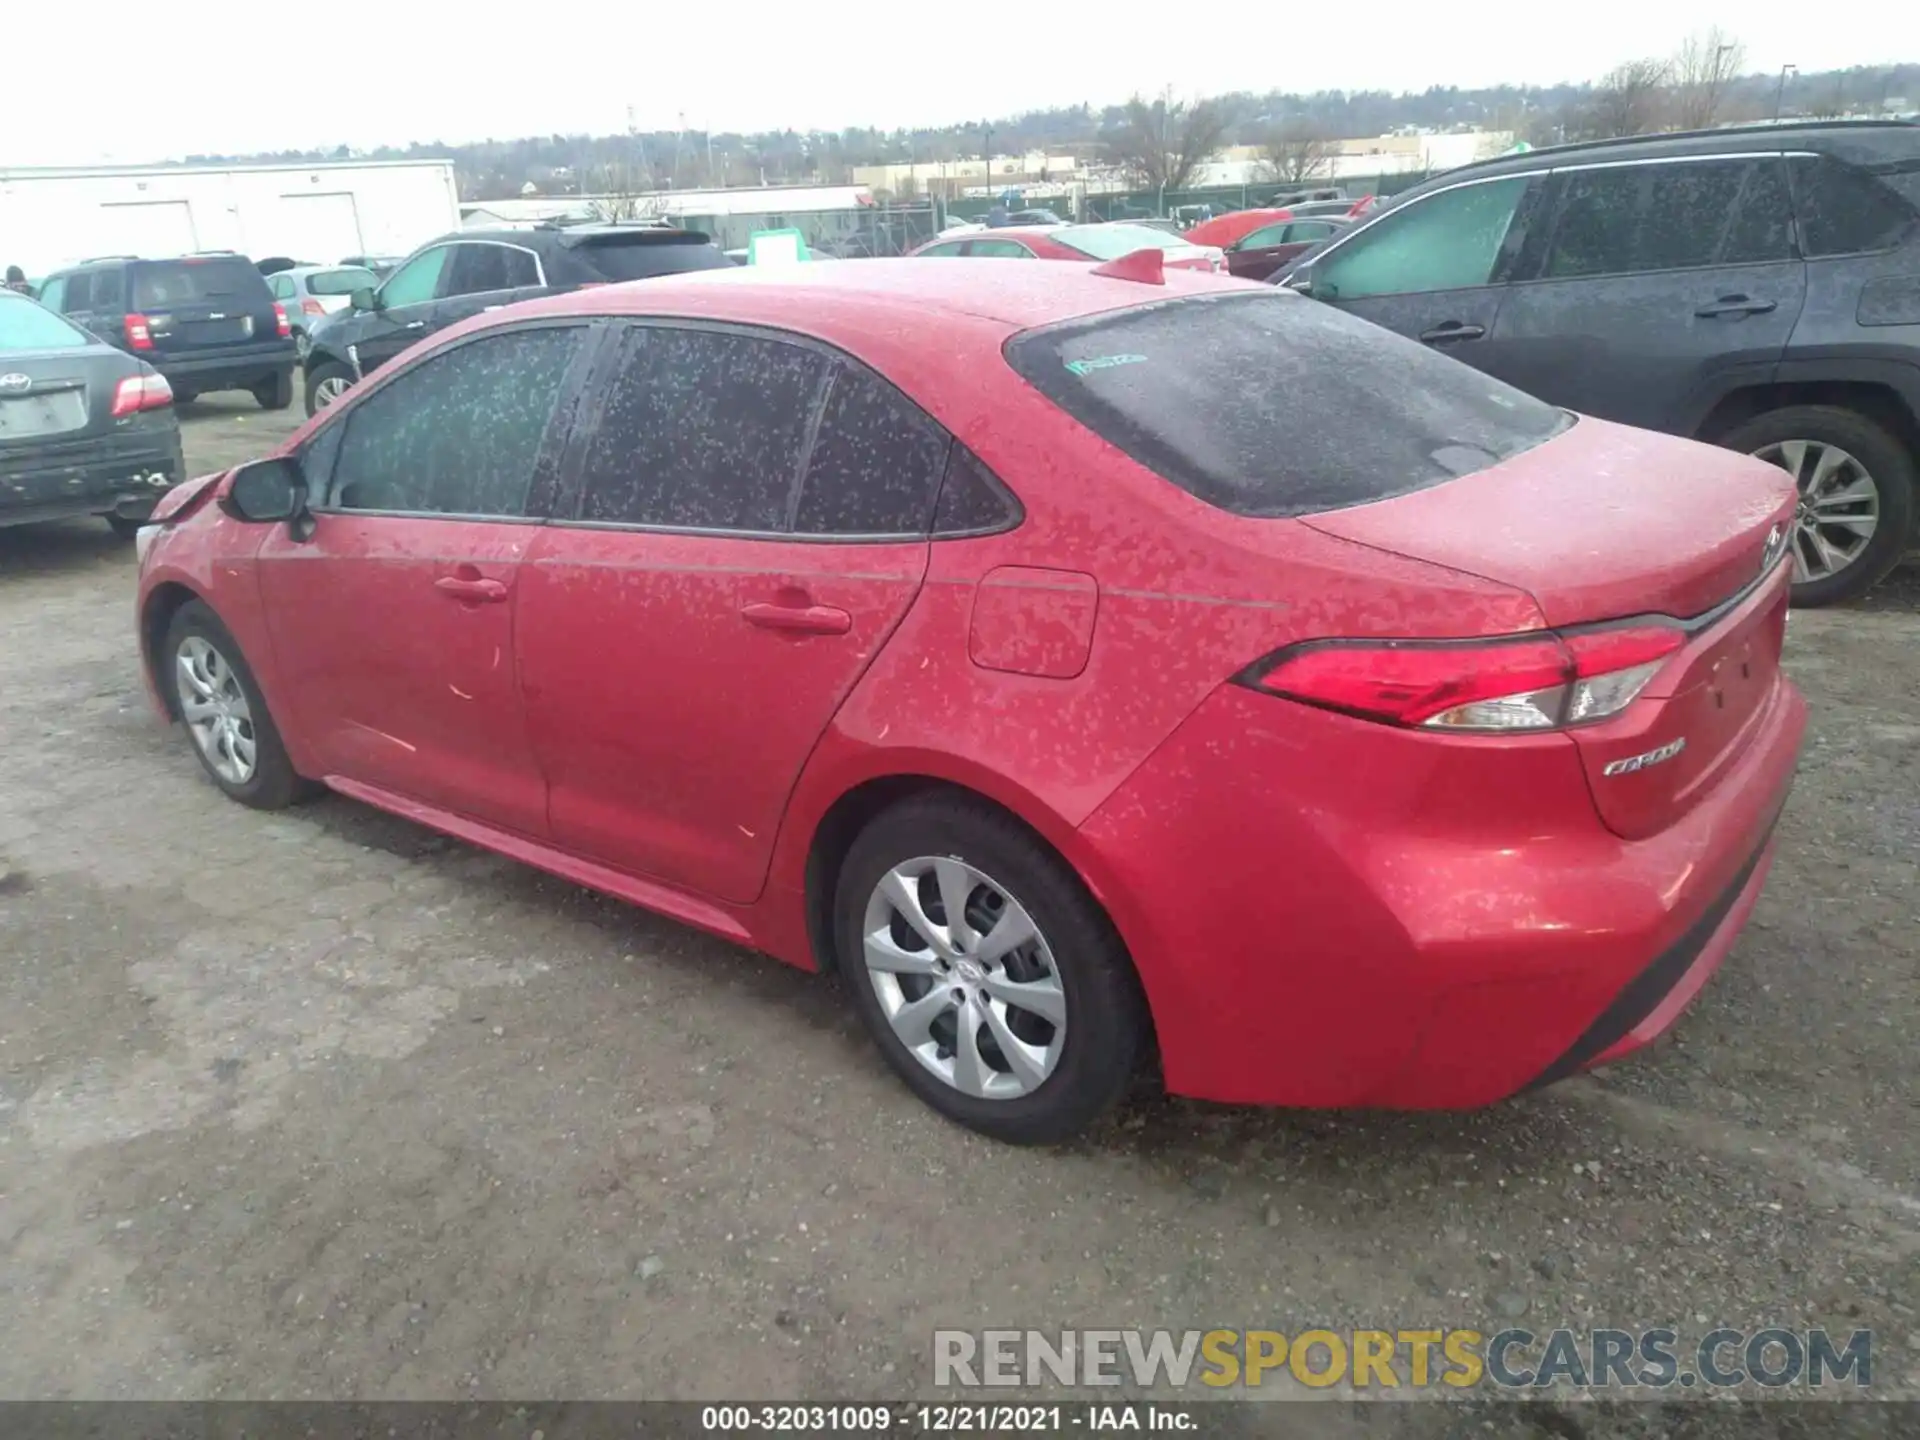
(321, 1104)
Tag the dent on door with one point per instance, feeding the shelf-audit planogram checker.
(1033, 621)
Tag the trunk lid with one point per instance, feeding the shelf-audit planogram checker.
(1603, 523)
(1600, 522)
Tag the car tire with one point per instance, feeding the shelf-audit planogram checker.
(1872, 457)
(275, 393)
(326, 382)
(1074, 965)
(302, 345)
(223, 687)
(183, 396)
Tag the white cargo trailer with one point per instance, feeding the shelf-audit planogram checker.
(317, 212)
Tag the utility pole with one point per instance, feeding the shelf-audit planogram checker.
(986, 155)
(1780, 90)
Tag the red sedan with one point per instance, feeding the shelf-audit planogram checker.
(1045, 649)
(1104, 241)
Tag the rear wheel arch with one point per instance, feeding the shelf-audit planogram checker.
(1880, 402)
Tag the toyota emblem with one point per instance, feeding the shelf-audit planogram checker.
(15, 384)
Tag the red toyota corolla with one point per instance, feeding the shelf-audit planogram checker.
(1081, 661)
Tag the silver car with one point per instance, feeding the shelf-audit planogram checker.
(308, 293)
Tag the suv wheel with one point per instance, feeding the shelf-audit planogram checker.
(1856, 483)
(326, 383)
(275, 393)
(993, 983)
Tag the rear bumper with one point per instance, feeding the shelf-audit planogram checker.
(235, 367)
(106, 476)
(1328, 913)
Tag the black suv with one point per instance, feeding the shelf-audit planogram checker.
(1756, 287)
(206, 322)
(462, 274)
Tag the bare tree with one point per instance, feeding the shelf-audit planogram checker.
(619, 191)
(1162, 142)
(1628, 100)
(1297, 151)
(1703, 72)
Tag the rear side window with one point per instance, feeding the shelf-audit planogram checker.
(1633, 219)
(480, 269)
(1843, 211)
(618, 257)
(1270, 405)
(875, 462)
(461, 432)
(160, 285)
(700, 429)
(25, 325)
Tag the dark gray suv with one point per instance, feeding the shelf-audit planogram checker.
(1756, 287)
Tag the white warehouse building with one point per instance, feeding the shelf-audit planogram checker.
(318, 212)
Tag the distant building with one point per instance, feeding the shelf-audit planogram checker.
(822, 212)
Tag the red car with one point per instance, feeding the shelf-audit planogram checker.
(1104, 241)
(1050, 651)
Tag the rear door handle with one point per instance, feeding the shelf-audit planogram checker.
(808, 619)
(416, 325)
(1735, 305)
(1453, 330)
(473, 591)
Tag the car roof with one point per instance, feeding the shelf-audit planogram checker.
(1816, 134)
(897, 292)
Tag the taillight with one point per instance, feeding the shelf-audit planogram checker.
(1520, 682)
(141, 392)
(280, 325)
(139, 337)
(310, 306)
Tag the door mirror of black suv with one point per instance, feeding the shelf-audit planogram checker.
(365, 298)
(267, 490)
(1300, 279)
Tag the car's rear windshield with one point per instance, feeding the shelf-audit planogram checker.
(1268, 404)
(640, 257)
(1110, 242)
(27, 325)
(340, 282)
(159, 284)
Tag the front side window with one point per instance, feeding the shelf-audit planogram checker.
(458, 434)
(414, 283)
(1637, 219)
(1451, 240)
(1229, 397)
(1001, 250)
(701, 429)
(53, 294)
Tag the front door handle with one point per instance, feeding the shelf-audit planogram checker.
(1452, 330)
(1735, 305)
(416, 325)
(474, 592)
(807, 619)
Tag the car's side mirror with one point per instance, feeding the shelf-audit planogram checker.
(365, 298)
(267, 490)
(1300, 281)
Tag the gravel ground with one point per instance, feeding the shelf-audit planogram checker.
(324, 1105)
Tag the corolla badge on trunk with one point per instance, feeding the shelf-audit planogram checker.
(15, 384)
(1651, 757)
(1776, 547)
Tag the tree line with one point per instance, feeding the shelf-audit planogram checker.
(1164, 139)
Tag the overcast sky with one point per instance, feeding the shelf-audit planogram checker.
(395, 72)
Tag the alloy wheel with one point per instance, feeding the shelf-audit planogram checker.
(964, 977)
(1839, 508)
(216, 710)
(328, 391)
